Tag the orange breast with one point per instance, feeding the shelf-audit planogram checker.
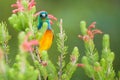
(46, 41)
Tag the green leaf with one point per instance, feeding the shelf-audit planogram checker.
(4, 34)
(83, 28)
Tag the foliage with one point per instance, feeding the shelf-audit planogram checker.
(4, 38)
(24, 21)
(97, 67)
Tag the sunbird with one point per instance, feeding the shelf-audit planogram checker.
(47, 38)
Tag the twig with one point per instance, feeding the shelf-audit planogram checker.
(33, 58)
(38, 54)
(39, 60)
(31, 53)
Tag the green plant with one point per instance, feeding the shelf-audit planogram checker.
(40, 67)
(97, 67)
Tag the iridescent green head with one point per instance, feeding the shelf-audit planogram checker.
(43, 17)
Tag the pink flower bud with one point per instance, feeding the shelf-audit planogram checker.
(19, 7)
(28, 45)
(44, 63)
(31, 4)
(52, 17)
(80, 65)
(90, 33)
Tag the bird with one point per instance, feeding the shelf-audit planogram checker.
(46, 40)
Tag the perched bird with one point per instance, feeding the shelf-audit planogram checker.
(47, 38)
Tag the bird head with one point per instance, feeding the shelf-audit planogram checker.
(43, 15)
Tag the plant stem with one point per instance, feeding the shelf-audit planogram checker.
(5, 46)
(60, 67)
(62, 47)
(38, 54)
(31, 53)
(33, 58)
(39, 77)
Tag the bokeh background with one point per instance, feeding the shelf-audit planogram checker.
(105, 12)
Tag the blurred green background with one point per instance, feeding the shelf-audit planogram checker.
(105, 12)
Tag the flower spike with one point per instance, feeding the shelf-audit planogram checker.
(90, 33)
(31, 4)
(19, 7)
(52, 17)
(27, 45)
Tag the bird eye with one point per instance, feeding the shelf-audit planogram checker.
(43, 15)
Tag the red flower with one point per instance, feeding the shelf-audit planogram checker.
(44, 63)
(90, 32)
(31, 4)
(19, 7)
(52, 18)
(28, 45)
(84, 38)
(80, 65)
